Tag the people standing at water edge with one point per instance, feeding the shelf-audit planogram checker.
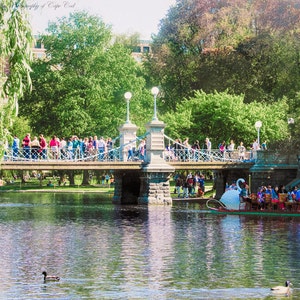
(107, 178)
(178, 185)
(185, 187)
(202, 183)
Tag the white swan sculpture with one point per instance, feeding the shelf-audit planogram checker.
(231, 198)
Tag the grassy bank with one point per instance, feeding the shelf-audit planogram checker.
(34, 185)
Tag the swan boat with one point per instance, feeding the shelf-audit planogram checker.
(230, 204)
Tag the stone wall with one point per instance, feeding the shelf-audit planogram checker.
(155, 188)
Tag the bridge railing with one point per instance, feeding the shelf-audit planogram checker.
(74, 154)
(61, 154)
(184, 154)
(191, 155)
(179, 152)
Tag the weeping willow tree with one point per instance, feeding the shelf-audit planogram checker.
(15, 56)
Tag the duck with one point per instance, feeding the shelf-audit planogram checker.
(50, 278)
(282, 290)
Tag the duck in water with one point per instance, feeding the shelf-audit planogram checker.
(50, 278)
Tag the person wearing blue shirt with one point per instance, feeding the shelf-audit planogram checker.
(15, 146)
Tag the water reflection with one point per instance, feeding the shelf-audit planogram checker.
(105, 251)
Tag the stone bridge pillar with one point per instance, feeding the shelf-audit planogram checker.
(128, 139)
(155, 173)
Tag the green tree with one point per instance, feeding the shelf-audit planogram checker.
(15, 57)
(79, 89)
(241, 46)
(221, 116)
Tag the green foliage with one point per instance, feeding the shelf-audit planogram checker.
(15, 51)
(245, 47)
(20, 127)
(221, 116)
(80, 88)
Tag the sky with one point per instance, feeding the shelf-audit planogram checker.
(125, 16)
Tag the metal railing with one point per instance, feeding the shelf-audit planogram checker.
(179, 152)
(74, 154)
(192, 155)
(170, 154)
(29, 154)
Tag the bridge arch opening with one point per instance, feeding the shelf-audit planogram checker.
(131, 184)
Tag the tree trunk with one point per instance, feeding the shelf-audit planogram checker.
(86, 177)
(98, 176)
(71, 177)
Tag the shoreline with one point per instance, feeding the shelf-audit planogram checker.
(54, 191)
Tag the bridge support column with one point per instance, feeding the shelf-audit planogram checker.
(155, 184)
(155, 188)
(117, 188)
(127, 140)
(219, 183)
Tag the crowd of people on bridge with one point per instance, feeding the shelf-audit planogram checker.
(184, 151)
(62, 148)
(95, 148)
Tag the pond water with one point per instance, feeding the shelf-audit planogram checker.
(106, 251)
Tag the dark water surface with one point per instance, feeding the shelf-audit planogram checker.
(104, 251)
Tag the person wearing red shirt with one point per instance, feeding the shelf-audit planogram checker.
(26, 146)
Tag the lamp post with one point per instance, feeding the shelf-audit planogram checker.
(127, 96)
(258, 125)
(154, 92)
(291, 123)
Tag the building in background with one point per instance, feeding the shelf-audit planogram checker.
(138, 51)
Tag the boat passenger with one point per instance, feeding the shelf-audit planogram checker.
(273, 193)
(233, 186)
(178, 185)
(261, 197)
(244, 195)
(296, 194)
